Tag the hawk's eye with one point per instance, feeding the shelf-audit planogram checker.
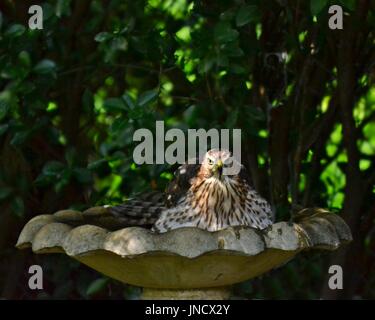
(210, 162)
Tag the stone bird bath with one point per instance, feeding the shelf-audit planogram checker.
(186, 263)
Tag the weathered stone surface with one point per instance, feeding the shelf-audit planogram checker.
(71, 217)
(50, 238)
(29, 231)
(182, 258)
(99, 216)
(323, 229)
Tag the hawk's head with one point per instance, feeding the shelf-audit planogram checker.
(214, 163)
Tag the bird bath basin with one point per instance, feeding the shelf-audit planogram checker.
(186, 263)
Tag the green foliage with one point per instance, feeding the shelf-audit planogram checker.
(72, 95)
(316, 6)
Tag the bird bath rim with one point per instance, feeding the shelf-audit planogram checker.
(186, 258)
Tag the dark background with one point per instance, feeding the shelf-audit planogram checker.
(72, 94)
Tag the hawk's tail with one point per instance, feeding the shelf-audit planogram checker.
(142, 211)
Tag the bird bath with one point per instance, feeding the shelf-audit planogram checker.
(186, 263)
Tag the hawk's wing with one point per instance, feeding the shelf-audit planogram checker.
(141, 211)
(181, 183)
(145, 209)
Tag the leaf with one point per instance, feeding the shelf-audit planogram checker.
(103, 36)
(223, 32)
(97, 286)
(48, 11)
(20, 137)
(96, 164)
(247, 14)
(7, 102)
(227, 15)
(349, 4)
(42, 180)
(119, 43)
(137, 113)
(232, 50)
(147, 97)
(114, 104)
(63, 180)
(15, 30)
(53, 168)
(316, 6)
(129, 101)
(119, 125)
(24, 58)
(45, 66)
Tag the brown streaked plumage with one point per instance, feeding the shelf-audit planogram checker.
(201, 196)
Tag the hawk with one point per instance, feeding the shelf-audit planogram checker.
(201, 196)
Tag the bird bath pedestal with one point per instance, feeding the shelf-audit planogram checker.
(186, 263)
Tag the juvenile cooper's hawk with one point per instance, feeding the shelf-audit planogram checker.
(200, 196)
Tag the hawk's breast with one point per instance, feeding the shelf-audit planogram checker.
(212, 204)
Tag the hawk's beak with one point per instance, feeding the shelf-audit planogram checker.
(219, 167)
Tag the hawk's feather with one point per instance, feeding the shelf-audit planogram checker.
(197, 198)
